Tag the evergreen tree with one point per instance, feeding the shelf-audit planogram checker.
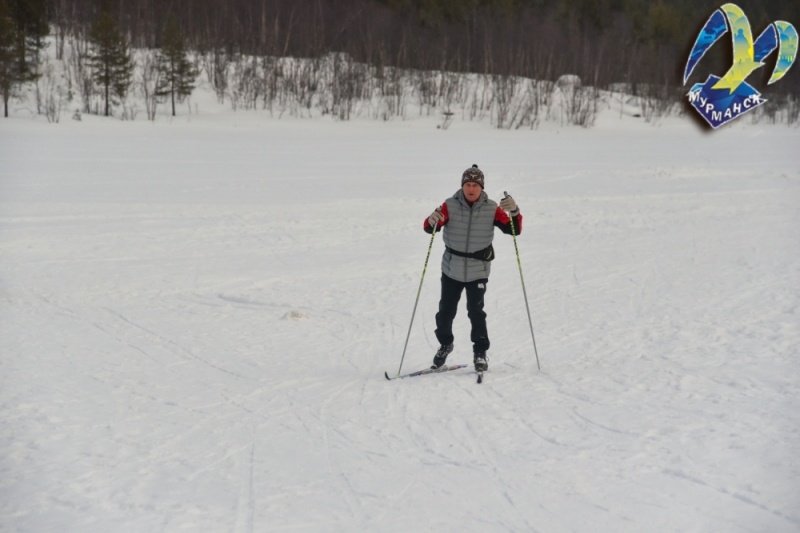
(110, 59)
(9, 53)
(177, 73)
(23, 26)
(30, 20)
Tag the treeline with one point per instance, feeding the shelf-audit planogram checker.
(601, 41)
(388, 51)
(101, 63)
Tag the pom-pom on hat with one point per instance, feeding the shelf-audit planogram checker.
(472, 174)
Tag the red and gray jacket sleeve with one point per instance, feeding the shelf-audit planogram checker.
(503, 221)
(429, 229)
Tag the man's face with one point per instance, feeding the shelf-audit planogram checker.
(472, 191)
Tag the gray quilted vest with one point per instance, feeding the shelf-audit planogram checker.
(468, 230)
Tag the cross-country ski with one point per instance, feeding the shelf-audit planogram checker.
(427, 371)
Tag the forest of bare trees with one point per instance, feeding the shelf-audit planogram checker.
(601, 41)
(638, 47)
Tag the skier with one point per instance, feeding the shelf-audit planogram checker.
(468, 220)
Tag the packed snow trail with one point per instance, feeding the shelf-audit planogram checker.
(196, 319)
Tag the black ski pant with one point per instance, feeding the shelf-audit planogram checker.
(448, 305)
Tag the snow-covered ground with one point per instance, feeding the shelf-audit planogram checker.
(196, 316)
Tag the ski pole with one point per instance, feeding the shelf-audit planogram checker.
(419, 291)
(524, 293)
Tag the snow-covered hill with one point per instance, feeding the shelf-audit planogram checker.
(196, 316)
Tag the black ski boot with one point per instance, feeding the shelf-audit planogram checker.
(441, 355)
(480, 361)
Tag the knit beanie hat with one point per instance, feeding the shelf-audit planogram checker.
(472, 174)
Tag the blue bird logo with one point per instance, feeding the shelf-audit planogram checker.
(720, 100)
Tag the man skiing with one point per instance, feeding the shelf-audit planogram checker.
(467, 220)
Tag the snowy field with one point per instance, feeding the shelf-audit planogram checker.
(196, 316)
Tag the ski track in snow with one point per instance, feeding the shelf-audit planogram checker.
(196, 319)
